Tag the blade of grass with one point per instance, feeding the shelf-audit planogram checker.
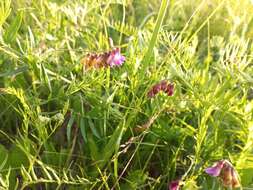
(158, 25)
(12, 30)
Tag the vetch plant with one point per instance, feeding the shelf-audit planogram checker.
(162, 86)
(111, 59)
(62, 129)
(225, 171)
(115, 58)
(174, 185)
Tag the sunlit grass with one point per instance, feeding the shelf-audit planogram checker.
(67, 127)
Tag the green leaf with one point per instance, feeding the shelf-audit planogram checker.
(93, 148)
(5, 10)
(12, 30)
(17, 71)
(113, 144)
(190, 185)
(246, 176)
(136, 178)
(69, 127)
(93, 128)
(45, 77)
(83, 131)
(3, 156)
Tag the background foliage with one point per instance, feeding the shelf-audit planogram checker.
(66, 128)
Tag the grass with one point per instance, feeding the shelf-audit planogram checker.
(63, 127)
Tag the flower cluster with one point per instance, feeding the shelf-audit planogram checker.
(163, 86)
(226, 172)
(222, 169)
(107, 59)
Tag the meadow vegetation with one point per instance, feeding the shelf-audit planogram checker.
(65, 126)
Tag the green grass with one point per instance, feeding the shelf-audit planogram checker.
(62, 127)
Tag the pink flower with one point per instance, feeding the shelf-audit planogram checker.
(115, 58)
(174, 185)
(215, 169)
(103, 60)
(226, 172)
(164, 86)
(169, 90)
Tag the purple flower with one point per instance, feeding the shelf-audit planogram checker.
(226, 172)
(115, 58)
(103, 60)
(174, 185)
(169, 90)
(164, 86)
(215, 169)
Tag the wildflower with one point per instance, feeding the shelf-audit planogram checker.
(229, 176)
(107, 59)
(174, 185)
(164, 86)
(226, 172)
(115, 58)
(215, 169)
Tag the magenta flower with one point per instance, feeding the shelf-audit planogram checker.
(169, 90)
(215, 169)
(163, 86)
(226, 173)
(174, 185)
(103, 60)
(115, 58)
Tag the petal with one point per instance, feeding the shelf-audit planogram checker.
(226, 176)
(164, 85)
(229, 176)
(156, 88)
(174, 185)
(115, 58)
(235, 179)
(151, 94)
(170, 89)
(215, 170)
